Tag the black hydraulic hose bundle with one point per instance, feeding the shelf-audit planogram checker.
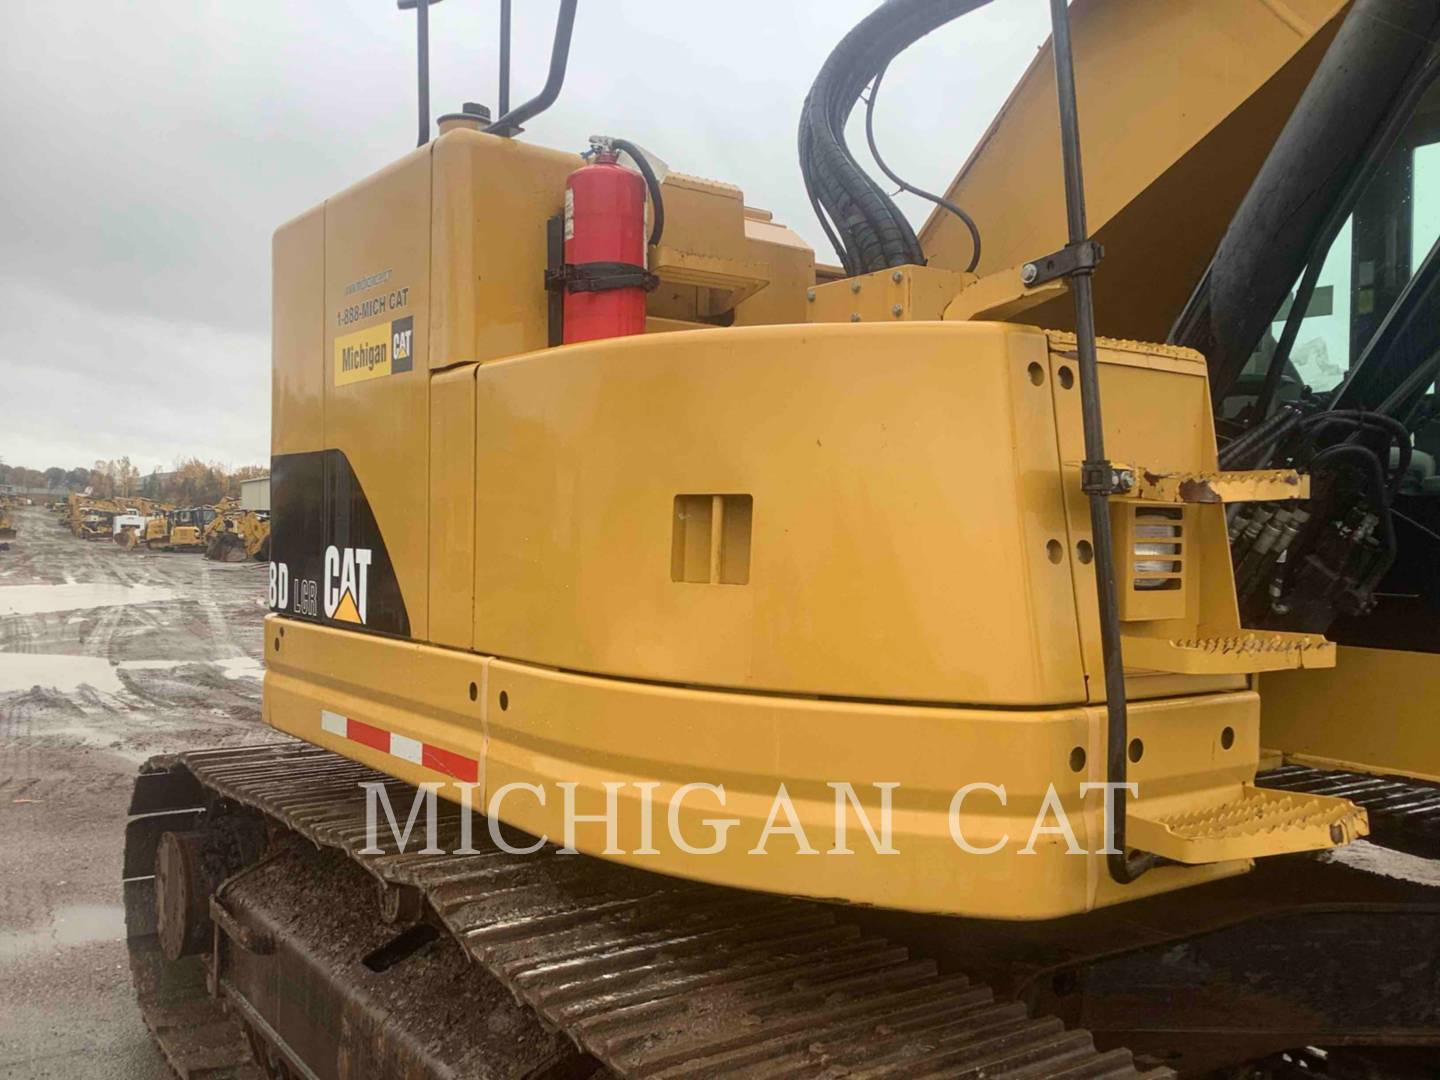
(863, 223)
(1247, 448)
(1255, 447)
(1358, 419)
(1367, 461)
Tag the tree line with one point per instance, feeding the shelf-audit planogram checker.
(191, 482)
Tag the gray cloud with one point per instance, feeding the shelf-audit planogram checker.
(152, 148)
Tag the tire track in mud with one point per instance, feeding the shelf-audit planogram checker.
(20, 633)
(68, 754)
(221, 636)
(163, 690)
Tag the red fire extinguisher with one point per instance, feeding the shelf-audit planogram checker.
(604, 277)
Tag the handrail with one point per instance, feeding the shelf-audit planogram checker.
(509, 124)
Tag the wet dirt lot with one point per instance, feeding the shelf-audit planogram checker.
(106, 658)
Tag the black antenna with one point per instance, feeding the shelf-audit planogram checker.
(504, 57)
(422, 59)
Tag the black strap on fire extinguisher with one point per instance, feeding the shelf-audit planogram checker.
(599, 277)
(562, 277)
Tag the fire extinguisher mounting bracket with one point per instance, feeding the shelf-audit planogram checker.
(600, 277)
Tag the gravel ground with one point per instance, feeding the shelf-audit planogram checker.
(106, 658)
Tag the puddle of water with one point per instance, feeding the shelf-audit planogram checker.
(21, 671)
(76, 925)
(42, 599)
(241, 667)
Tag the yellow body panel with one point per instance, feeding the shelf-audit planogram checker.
(383, 423)
(757, 556)
(1375, 712)
(491, 198)
(556, 727)
(297, 336)
(895, 552)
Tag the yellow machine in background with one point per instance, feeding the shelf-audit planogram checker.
(239, 535)
(94, 519)
(7, 523)
(904, 532)
(186, 528)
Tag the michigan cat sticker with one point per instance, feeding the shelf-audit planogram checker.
(376, 351)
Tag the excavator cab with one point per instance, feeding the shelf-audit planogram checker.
(1342, 383)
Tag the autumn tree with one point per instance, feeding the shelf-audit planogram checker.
(245, 472)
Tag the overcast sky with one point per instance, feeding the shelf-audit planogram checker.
(152, 147)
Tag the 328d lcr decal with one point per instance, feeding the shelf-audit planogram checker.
(330, 564)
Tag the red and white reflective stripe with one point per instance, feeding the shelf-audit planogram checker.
(459, 766)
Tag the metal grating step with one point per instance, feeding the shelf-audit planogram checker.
(1261, 822)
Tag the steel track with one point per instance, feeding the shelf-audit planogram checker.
(653, 976)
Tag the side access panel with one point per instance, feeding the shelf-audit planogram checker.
(862, 511)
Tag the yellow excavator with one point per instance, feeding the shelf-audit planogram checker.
(855, 671)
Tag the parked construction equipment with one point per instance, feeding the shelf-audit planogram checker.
(240, 535)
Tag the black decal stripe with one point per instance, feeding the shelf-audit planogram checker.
(317, 502)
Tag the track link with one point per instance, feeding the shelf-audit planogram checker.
(1404, 813)
(653, 976)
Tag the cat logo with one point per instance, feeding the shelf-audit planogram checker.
(347, 575)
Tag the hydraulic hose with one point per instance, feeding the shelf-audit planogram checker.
(657, 224)
(1239, 452)
(943, 203)
(1361, 419)
(1366, 459)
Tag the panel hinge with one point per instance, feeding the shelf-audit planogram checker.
(1105, 478)
(1072, 259)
